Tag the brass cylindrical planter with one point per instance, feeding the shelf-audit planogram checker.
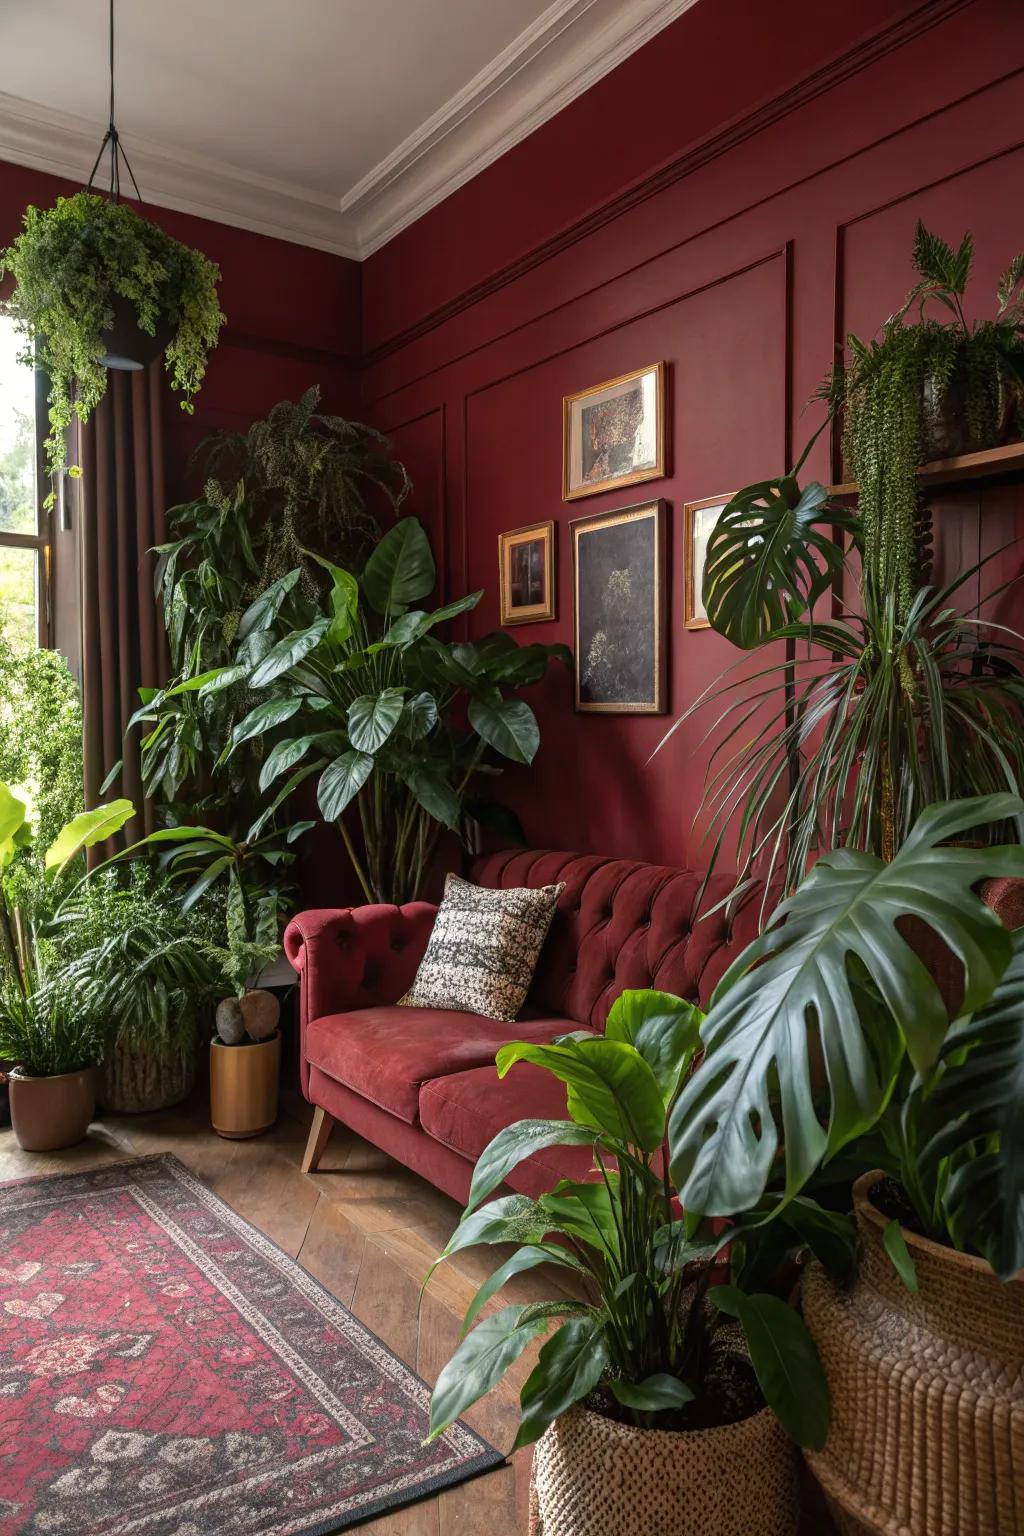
(243, 1087)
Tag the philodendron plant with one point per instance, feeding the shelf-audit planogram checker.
(829, 1034)
(357, 690)
(651, 1339)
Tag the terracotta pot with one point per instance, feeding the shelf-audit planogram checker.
(594, 1477)
(137, 1079)
(243, 1087)
(927, 1434)
(49, 1113)
(127, 347)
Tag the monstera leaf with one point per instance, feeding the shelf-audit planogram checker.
(770, 556)
(968, 1131)
(833, 976)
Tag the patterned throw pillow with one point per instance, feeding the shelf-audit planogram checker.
(483, 950)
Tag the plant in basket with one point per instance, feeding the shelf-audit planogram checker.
(672, 1368)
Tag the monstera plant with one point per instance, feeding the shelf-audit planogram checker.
(357, 690)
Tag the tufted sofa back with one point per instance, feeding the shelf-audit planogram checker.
(624, 924)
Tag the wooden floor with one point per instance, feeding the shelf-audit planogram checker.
(367, 1229)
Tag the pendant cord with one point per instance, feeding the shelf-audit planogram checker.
(113, 138)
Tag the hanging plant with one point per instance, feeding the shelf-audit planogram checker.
(82, 269)
(922, 391)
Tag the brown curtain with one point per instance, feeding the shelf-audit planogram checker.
(124, 645)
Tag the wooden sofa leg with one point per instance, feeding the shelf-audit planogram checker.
(319, 1135)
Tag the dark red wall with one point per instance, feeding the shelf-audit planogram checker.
(292, 318)
(653, 219)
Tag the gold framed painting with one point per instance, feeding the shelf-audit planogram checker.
(526, 573)
(613, 434)
(699, 518)
(619, 620)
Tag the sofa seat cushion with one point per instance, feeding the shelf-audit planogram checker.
(386, 1053)
(466, 1110)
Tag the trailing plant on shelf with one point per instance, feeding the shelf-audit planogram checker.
(646, 1330)
(926, 390)
(373, 702)
(72, 264)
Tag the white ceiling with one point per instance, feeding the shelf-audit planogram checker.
(334, 123)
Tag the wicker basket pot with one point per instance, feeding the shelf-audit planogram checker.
(927, 1434)
(594, 1477)
(139, 1078)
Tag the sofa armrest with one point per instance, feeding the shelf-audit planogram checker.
(354, 957)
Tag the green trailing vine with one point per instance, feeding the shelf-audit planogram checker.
(70, 263)
(926, 390)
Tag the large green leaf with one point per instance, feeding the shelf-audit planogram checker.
(341, 781)
(435, 795)
(770, 556)
(344, 598)
(13, 821)
(263, 718)
(507, 725)
(568, 1368)
(262, 613)
(664, 1029)
(284, 756)
(785, 1361)
(529, 1256)
(968, 1130)
(85, 831)
(412, 626)
(586, 1212)
(798, 991)
(515, 1143)
(372, 718)
(401, 568)
(653, 1393)
(287, 653)
(511, 1219)
(419, 716)
(610, 1086)
(480, 1362)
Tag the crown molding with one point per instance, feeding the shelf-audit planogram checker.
(48, 140)
(570, 46)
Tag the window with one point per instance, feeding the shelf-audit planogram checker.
(23, 546)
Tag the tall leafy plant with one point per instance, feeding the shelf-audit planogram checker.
(829, 1028)
(654, 1340)
(358, 690)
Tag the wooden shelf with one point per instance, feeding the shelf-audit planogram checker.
(966, 466)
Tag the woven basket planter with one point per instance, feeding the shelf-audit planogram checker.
(927, 1434)
(137, 1079)
(593, 1477)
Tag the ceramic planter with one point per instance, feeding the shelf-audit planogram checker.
(127, 347)
(49, 1113)
(137, 1079)
(594, 1477)
(927, 1434)
(243, 1086)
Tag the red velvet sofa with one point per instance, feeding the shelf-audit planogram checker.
(421, 1083)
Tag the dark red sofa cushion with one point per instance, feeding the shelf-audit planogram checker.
(467, 1110)
(386, 1053)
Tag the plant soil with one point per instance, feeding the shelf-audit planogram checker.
(889, 1197)
(729, 1393)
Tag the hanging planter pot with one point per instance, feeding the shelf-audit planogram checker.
(128, 348)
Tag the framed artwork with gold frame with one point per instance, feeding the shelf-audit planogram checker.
(699, 518)
(613, 434)
(526, 573)
(619, 603)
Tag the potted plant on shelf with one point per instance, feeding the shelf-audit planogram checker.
(96, 287)
(663, 1399)
(392, 719)
(828, 1042)
(55, 1029)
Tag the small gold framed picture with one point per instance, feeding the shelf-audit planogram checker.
(619, 625)
(699, 518)
(614, 433)
(526, 573)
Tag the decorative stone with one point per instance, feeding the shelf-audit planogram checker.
(261, 1012)
(230, 1023)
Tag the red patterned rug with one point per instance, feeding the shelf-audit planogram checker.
(165, 1370)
